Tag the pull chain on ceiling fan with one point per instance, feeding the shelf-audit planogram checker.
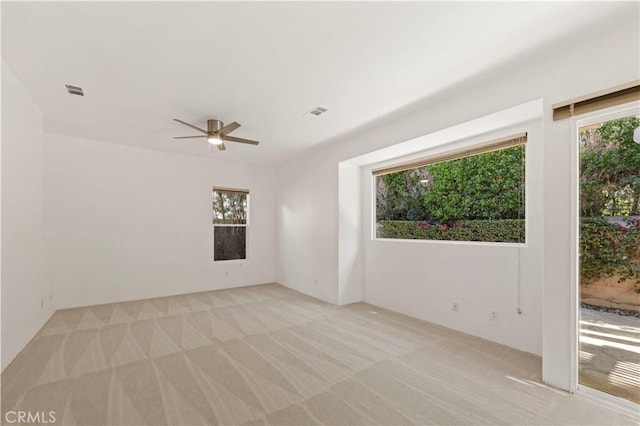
(217, 133)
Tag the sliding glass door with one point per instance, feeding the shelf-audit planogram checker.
(609, 255)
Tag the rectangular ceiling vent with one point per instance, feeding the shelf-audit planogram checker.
(74, 90)
(317, 111)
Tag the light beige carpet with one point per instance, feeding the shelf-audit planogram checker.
(268, 355)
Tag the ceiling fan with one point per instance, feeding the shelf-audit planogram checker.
(217, 133)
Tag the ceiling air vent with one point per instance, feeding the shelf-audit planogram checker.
(317, 111)
(74, 90)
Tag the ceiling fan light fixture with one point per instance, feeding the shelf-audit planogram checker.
(214, 139)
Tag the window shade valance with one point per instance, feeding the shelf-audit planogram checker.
(236, 190)
(618, 95)
(495, 145)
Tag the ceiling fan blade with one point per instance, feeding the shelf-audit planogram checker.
(221, 147)
(247, 141)
(190, 125)
(188, 137)
(228, 128)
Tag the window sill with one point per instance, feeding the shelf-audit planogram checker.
(470, 243)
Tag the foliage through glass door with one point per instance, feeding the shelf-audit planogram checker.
(609, 355)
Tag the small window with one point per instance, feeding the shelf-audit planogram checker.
(230, 207)
(476, 194)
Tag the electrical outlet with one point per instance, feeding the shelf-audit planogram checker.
(494, 316)
(455, 307)
(226, 274)
(315, 283)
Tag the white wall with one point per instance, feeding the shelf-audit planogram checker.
(424, 278)
(128, 223)
(25, 288)
(307, 257)
(350, 222)
(310, 183)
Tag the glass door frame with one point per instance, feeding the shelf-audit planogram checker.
(600, 116)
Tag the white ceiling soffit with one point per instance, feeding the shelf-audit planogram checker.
(264, 65)
(422, 145)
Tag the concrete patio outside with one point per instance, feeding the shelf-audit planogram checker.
(610, 353)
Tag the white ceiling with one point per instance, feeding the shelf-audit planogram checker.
(265, 64)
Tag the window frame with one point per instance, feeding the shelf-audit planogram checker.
(231, 225)
(437, 155)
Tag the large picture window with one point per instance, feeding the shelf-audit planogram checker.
(476, 194)
(230, 207)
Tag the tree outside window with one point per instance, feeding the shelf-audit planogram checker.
(230, 207)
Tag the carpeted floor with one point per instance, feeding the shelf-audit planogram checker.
(268, 355)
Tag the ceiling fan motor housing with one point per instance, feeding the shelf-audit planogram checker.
(214, 126)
